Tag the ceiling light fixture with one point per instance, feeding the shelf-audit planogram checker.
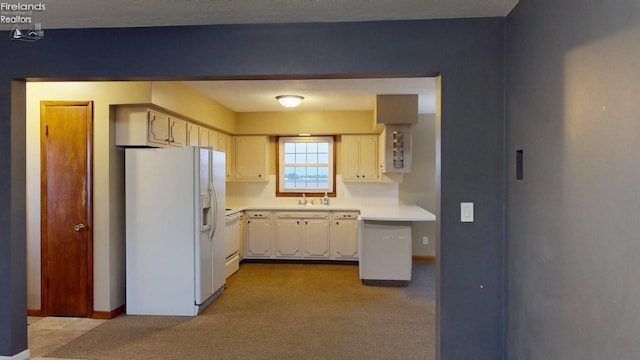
(289, 101)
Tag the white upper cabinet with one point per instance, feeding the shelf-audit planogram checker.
(177, 132)
(360, 158)
(250, 157)
(142, 126)
(203, 137)
(213, 140)
(193, 133)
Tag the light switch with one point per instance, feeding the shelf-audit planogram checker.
(466, 212)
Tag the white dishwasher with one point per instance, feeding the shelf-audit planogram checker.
(232, 242)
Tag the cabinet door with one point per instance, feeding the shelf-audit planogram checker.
(203, 137)
(288, 238)
(230, 157)
(222, 142)
(368, 158)
(251, 158)
(192, 134)
(316, 238)
(350, 157)
(213, 139)
(258, 235)
(158, 128)
(344, 240)
(229, 154)
(177, 132)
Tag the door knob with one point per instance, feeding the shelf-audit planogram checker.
(79, 227)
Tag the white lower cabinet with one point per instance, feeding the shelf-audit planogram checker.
(288, 238)
(258, 235)
(344, 235)
(302, 235)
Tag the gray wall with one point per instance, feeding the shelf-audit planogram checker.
(468, 54)
(573, 91)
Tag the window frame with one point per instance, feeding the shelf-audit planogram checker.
(280, 164)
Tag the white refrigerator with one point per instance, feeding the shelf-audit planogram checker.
(175, 248)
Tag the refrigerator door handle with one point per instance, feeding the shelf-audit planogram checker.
(214, 221)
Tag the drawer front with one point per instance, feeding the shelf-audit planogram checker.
(344, 215)
(258, 214)
(302, 215)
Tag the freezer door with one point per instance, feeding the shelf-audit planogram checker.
(204, 247)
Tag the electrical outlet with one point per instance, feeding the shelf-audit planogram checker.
(425, 240)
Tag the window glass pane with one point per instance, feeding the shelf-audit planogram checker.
(323, 159)
(289, 177)
(289, 147)
(289, 158)
(301, 147)
(312, 158)
(312, 147)
(323, 147)
(300, 173)
(301, 158)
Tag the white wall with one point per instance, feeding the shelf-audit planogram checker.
(349, 194)
(419, 186)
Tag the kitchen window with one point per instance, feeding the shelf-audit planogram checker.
(306, 164)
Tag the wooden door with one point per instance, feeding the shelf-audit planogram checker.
(66, 219)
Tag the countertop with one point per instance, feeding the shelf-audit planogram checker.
(367, 213)
(396, 213)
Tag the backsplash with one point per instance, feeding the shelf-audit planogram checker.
(348, 194)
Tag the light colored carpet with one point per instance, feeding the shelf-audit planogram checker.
(282, 311)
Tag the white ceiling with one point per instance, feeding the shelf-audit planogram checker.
(259, 95)
(132, 13)
(323, 94)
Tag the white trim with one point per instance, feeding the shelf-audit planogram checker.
(25, 355)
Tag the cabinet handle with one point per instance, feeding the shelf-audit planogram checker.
(298, 222)
(337, 223)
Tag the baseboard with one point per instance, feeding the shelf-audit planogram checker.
(25, 355)
(34, 312)
(424, 257)
(106, 315)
